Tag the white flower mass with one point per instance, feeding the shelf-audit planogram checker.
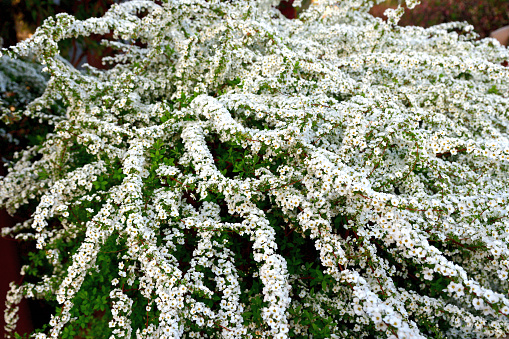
(385, 147)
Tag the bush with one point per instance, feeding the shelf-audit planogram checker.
(237, 174)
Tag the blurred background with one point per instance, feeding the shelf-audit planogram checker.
(19, 20)
(485, 15)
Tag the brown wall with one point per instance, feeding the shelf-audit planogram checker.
(9, 271)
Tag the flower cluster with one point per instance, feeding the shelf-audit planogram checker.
(237, 174)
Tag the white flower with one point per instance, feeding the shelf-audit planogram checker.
(478, 303)
(428, 274)
(491, 297)
(358, 309)
(394, 321)
(452, 287)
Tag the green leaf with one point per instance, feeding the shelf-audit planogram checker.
(493, 90)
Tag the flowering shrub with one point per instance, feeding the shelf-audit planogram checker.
(238, 174)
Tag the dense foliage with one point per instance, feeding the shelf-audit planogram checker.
(238, 174)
